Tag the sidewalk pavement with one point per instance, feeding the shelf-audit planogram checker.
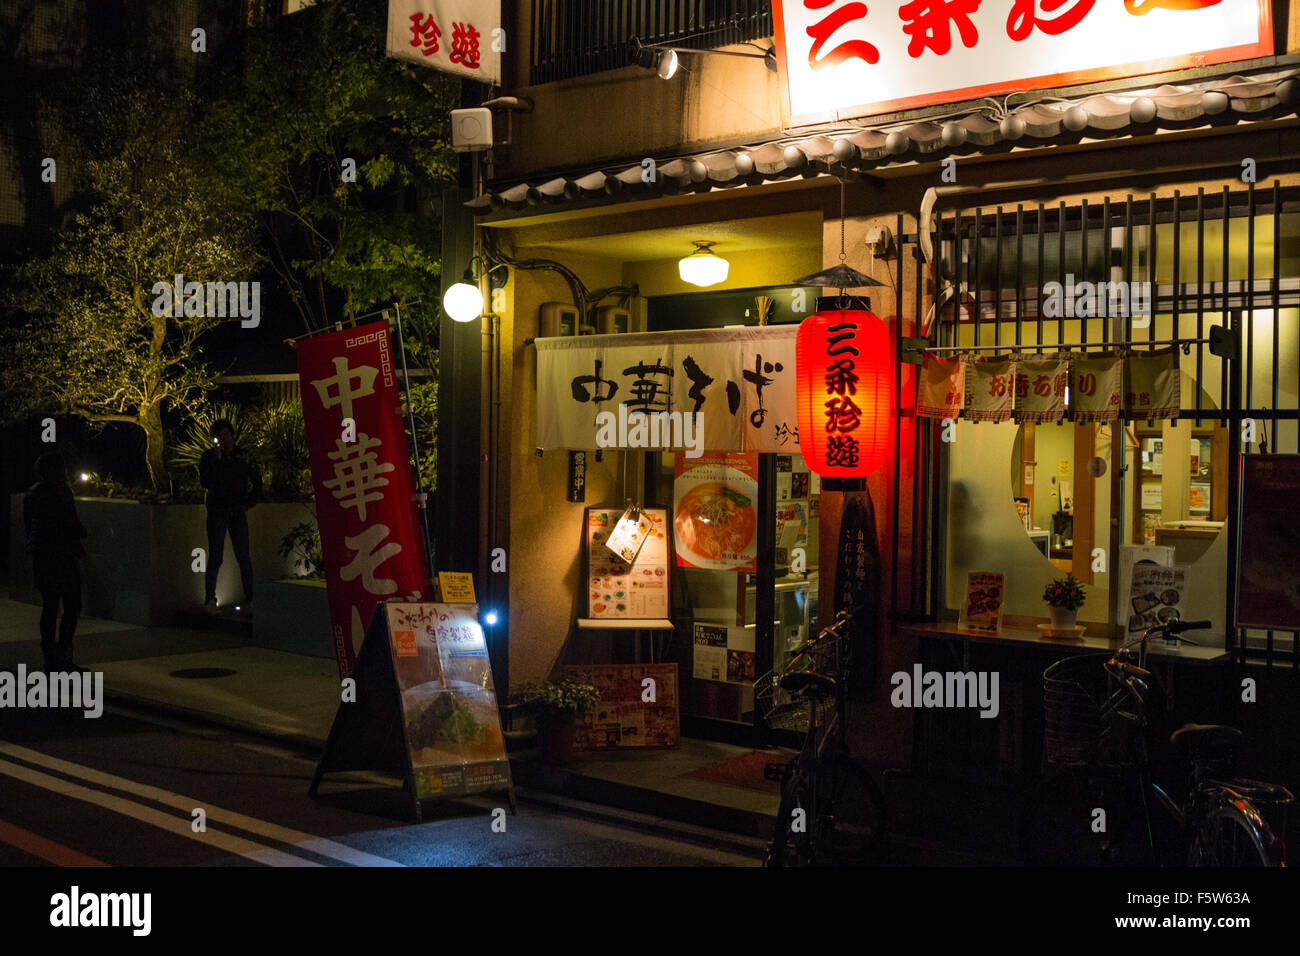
(220, 678)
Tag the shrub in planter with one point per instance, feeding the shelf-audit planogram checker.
(555, 708)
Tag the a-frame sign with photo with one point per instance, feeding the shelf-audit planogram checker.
(425, 708)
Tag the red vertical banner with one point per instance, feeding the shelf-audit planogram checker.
(361, 474)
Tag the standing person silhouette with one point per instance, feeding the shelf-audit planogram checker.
(234, 486)
(54, 536)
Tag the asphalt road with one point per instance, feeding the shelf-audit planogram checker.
(122, 790)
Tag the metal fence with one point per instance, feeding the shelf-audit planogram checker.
(579, 37)
(1000, 259)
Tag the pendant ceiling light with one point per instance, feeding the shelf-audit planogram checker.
(702, 267)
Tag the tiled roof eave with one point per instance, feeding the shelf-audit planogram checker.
(1223, 101)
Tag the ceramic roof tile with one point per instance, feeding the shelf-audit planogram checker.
(1098, 116)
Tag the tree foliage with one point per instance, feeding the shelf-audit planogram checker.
(315, 99)
(90, 344)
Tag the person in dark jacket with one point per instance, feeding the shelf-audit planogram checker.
(234, 486)
(54, 535)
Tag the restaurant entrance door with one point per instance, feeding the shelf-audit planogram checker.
(734, 624)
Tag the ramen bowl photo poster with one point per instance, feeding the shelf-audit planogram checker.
(715, 511)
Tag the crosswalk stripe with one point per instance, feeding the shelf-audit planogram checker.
(271, 831)
(164, 821)
(36, 845)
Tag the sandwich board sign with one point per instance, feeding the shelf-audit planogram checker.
(424, 706)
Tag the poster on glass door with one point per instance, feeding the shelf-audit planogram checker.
(715, 511)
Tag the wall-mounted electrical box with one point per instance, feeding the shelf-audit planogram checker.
(557, 318)
(617, 319)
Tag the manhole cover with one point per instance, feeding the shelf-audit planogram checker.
(202, 673)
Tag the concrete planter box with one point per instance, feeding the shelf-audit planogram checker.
(294, 616)
(139, 556)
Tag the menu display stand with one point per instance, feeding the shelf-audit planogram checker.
(643, 628)
(617, 590)
(438, 646)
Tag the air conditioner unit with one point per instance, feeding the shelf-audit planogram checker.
(471, 129)
(557, 318)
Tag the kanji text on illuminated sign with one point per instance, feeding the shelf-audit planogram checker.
(924, 51)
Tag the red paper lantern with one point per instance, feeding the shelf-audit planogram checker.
(843, 371)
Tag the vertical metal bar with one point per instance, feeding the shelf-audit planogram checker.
(958, 265)
(532, 41)
(1020, 263)
(765, 586)
(1060, 268)
(975, 262)
(1151, 264)
(1178, 252)
(1128, 262)
(997, 276)
(1234, 491)
(1277, 319)
(1223, 365)
(1106, 253)
(1200, 297)
(1250, 301)
(921, 496)
(1038, 275)
(1083, 264)
(898, 423)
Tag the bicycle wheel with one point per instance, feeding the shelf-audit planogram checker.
(1226, 837)
(850, 814)
(791, 840)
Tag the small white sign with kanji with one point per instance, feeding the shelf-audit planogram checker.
(455, 36)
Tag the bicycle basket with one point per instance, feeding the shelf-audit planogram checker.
(781, 709)
(1074, 690)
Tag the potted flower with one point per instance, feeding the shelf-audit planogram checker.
(556, 708)
(1064, 597)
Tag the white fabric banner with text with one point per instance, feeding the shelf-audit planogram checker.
(741, 381)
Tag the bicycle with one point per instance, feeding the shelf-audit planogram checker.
(1221, 821)
(832, 811)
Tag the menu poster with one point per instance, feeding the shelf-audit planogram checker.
(1156, 596)
(710, 660)
(715, 513)
(449, 707)
(617, 590)
(624, 718)
(982, 609)
(629, 534)
(724, 653)
(1136, 555)
(424, 707)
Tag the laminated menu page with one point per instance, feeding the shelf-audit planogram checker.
(617, 589)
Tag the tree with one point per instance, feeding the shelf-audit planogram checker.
(92, 344)
(340, 152)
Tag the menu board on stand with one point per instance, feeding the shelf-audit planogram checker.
(423, 706)
(627, 595)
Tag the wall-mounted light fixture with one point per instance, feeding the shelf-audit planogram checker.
(664, 60)
(702, 267)
(463, 301)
